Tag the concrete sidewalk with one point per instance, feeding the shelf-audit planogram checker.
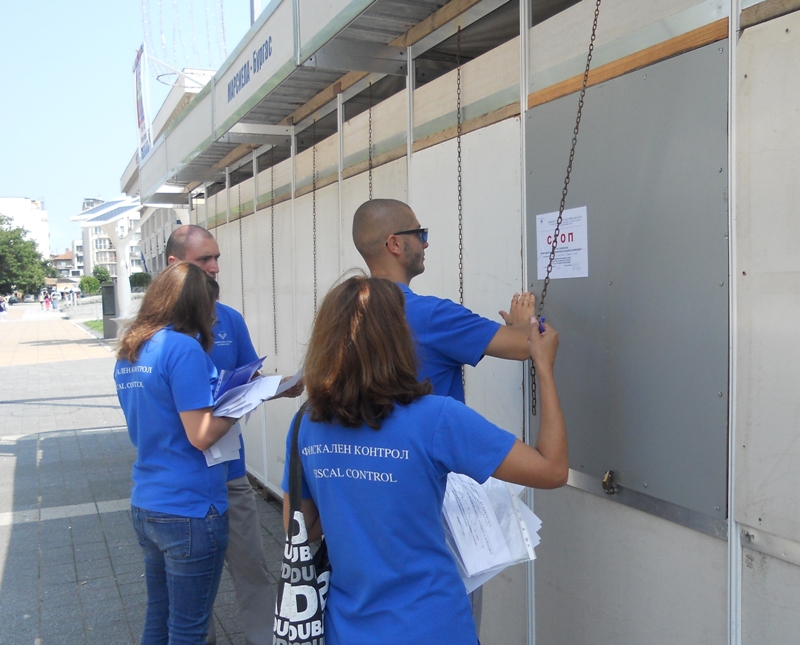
(71, 570)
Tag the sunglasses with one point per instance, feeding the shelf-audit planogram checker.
(421, 232)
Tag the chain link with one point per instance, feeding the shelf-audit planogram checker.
(370, 142)
(241, 245)
(314, 206)
(272, 248)
(565, 189)
(460, 201)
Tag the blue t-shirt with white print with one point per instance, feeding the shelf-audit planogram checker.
(171, 375)
(232, 348)
(379, 494)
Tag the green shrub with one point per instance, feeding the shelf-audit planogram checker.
(140, 280)
(102, 274)
(89, 285)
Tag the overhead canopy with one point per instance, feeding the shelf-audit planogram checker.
(291, 54)
(108, 212)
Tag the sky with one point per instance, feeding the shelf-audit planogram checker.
(67, 107)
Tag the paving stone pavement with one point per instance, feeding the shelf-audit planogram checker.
(71, 571)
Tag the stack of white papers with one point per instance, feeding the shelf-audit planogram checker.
(243, 399)
(487, 527)
(237, 401)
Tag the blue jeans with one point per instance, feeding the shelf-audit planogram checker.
(183, 558)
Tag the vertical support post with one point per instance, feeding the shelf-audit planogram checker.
(295, 358)
(254, 240)
(296, 20)
(262, 411)
(734, 532)
(411, 85)
(227, 252)
(255, 10)
(340, 130)
(524, 62)
(205, 204)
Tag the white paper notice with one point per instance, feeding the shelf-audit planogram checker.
(474, 525)
(572, 252)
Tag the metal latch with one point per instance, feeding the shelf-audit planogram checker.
(609, 485)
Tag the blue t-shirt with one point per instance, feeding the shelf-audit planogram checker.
(172, 374)
(379, 495)
(447, 336)
(232, 348)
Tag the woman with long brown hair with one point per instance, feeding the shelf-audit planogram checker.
(376, 449)
(164, 381)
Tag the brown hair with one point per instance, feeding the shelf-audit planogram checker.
(361, 359)
(182, 296)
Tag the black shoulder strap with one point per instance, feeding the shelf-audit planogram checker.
(295, 465)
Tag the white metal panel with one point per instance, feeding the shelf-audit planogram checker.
(768, 279)
(252, 430)
(184, 142)
(225, 277)
(492, 246)
(606, 573)
(558, 45)
(154, 170)
(288, 359)
(492, 273)
(327, 255)
(389, 181)
(230, 264)
(320, 20)
(769, 600)
(270, 48)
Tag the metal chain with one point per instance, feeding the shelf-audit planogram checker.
(370, 142)
(314, 206)
(272, 248)
(241, 246)
(460, 202)
(565, 189)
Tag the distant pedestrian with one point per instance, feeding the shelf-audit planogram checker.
(3, 308)
(47, 302)
(41, 301)
(55, 303)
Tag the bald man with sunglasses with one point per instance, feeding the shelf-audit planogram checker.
(392, 242)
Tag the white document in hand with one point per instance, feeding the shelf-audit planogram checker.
(226, 449)
(290, 383)
(474, 525)
(240, 400)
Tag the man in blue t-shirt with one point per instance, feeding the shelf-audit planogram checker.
(448, 336)
(388, 236)
(233, 348)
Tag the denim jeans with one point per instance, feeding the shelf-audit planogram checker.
(183, 558)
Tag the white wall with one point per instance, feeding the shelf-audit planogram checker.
(766, 271)
(604, 572)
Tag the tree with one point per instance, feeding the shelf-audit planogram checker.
(102, 274)
(21, 265)
(89, 285)
(140, 280)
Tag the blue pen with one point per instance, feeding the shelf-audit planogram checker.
(541, 324)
